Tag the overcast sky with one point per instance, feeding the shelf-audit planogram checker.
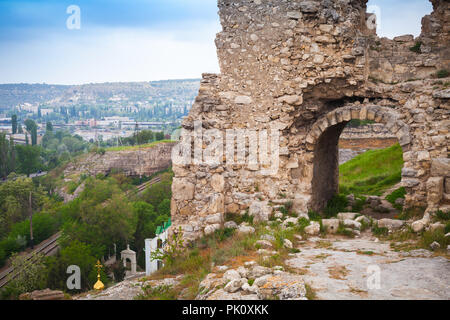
(133, 40)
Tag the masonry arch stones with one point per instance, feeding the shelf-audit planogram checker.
(323, 139)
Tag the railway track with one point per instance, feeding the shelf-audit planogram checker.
(47, 248)
(147, 184)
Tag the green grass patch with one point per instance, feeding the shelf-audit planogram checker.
(377, 231)
(411, 213)
(372, 172)
(399, 193)
(137, 147)
(343, 231)
(239, 218)
(302, 224)
(428, 237)
(368, 253)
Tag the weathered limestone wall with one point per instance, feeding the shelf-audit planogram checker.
(306, 68)
(371, 131)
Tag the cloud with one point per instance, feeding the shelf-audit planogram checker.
(109, 55)
(119, 40)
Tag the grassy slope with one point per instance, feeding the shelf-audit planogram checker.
(142, 146)
(372, 172)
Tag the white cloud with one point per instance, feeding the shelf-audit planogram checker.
(112, 55)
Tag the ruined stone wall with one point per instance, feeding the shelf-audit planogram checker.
(306, 68)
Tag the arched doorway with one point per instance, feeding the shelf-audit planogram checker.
(323, 140)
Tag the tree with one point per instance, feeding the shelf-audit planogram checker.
(103, 216)
(145, 227)
(159, 136)
(32, 129)
(164, 207)
(14, 123)
(7, 155)
(20, 130)
(158, 192)
(14, 196)
(79, 254)
(28, 159)
(49, 126)
(12, 155)
(32, 276)
(4, 159)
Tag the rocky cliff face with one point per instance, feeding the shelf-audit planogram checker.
(135, 162)
(306, 68)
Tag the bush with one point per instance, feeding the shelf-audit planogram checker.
(417, 47)
(287, 209)
(428, 237)
(44, 226)
(337, 204)
(223, 234)
(399, 193)
(10, 245)
(302, 224)
(443, 216)
(79, 254)
(32, 276)
(72, 186)
(314, 216)
(442, 74)
(119, 271)
(158, 293)
(359, 204)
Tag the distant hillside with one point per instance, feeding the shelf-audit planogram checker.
(12, 95)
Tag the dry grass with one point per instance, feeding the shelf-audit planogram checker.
(338, 272)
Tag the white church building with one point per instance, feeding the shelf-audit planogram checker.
(152, 245)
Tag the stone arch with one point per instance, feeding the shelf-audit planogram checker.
(323, 139)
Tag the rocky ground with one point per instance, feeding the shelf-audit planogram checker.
(334, 267)
(343, 270)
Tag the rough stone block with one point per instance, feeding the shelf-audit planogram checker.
(182, 189)
(331, 225)
(435, 190)
(440, 167)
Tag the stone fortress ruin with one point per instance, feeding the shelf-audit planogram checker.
(306, 68)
